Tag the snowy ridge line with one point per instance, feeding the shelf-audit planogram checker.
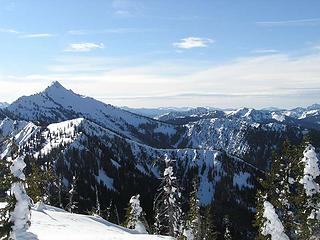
(80, 122)
(244, 162)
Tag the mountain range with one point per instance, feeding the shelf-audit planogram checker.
(122, 152)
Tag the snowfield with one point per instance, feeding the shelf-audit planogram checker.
(53, 223)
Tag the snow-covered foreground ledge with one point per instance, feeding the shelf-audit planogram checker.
(54, 223)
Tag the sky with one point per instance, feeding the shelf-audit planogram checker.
(157, 53)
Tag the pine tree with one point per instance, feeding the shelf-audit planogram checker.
(135, 216)
(39, 181)
(167, 203)
(272, 227)
(208, 228)
(98, 210)
(20, 205)
(6, 181)
(308, 194)
(227, 225)
(60, 187)
(72, 206)
(21, 214)
(192, 227)
(15, 216)
(292, 191)
(277, 189)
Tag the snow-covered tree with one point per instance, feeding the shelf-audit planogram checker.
(192, 228)
(5, 184)
(21, 214)
(272, 226)
(40, 181)
(60, 186)
(208, 227)
(308, 198)
(98, 209)
(15, 217)
(72, 205)
(227, 232)
(292, 189)
(279, 189)
(135, 217)
(167, 203)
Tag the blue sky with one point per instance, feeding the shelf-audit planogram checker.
(164, 53)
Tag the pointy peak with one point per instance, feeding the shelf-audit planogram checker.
(55, 84)
(55, 87)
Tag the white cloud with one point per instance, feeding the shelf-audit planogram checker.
(256, 81)
(193, 42)
(9, 30)
(291, 23)
(265, 51)
(84, 47)
(127, 8)
(37, 35)
(111, 31)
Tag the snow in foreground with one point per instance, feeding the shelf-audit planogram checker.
(54, 223)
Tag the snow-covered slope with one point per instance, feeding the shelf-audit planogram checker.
(19, 131)
(51, 223)
(57, 104)
(4, 104)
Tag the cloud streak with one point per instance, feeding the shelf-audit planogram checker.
(110, 31)
(256, 81)
(193, 42)
(37, 35)
(291, 23)
(9, 30)
(84, 47)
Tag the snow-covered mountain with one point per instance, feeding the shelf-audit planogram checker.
(123, 153)
(3, 105)
(155, 112)
(57, 104)
(122, 167)
(294, 116)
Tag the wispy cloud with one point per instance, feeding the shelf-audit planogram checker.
(83, 47)
(110, 31)
(37, 35)
(193, 42)
(21, 34)
(9, 30)
(290, 23)
(265, 51)
(127, 8)
(255, 81)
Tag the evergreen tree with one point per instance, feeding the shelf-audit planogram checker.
(277, 189)
(227, 226)
(135, 216)
(60, 189)
(39, 181)
(98, 210)
(292, 191)
(15, 216)
(72, 206)
(192, 227)
(20, 216)
(5, 183)
(208, 228)
(308, 197)
(167, 203)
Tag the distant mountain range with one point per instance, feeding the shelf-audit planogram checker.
(123, 152)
